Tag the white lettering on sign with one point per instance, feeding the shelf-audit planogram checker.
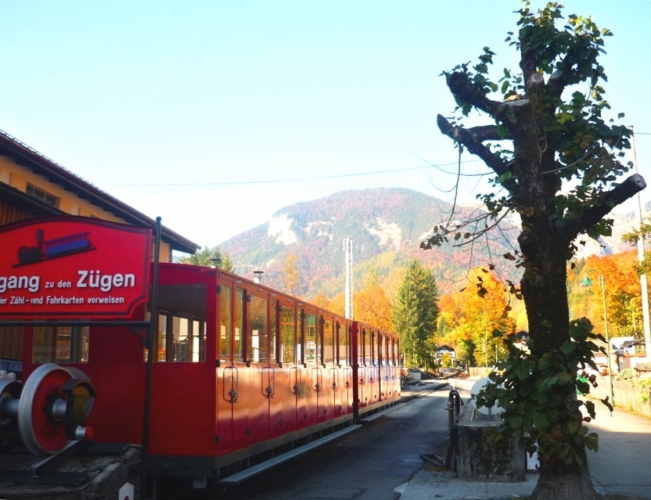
(105, 282)
(63, 300)
(31, 283)
(106, 300)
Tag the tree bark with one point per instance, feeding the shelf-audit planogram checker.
(558, 480)
(548, 311)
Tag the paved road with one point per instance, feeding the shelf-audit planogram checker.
(364, 465)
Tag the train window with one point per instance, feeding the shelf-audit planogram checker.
(180, 339)
(328, 341)
(161, 338)
(372, 352)
(287, 335)
(258, 340)
(387, 352)
(188, 340)
(363, 348)
(61, 344)
(275, 318)
(311, 339)
(238, 340)
(225, 323)
(180, 334)
(383, 351)
(11, 342)
(342, 351)
(198, 341)
(397, 356)
(300, 332)
(337, 329)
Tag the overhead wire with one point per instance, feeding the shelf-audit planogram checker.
(276, 181)
(312, 178)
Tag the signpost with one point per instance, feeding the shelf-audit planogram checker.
(60, 271)
(73, 267)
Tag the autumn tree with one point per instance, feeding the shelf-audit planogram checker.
(322, 302)
(557, 164)
(622, 292)
(210, 257)
(414, 314)
(338, 304)
(372, 305)
(448, 318)
(291, 277)
(484, 322)
(644, 232)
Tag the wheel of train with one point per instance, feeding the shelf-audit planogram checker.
(53, 405)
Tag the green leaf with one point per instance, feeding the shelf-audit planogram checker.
(568, 348)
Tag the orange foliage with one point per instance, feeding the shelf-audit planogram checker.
(622, 289)
(467, 320)
(372, 306)
(322, 302)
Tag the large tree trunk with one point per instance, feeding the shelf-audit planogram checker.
(560, 481)
(548, 310)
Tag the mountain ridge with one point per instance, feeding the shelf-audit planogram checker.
(385, 224)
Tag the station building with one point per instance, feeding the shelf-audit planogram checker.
(32, 185)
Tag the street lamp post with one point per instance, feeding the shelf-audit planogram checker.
(602, 285)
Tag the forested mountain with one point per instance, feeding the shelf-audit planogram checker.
(386, 226)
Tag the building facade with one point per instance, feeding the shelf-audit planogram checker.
(32, 185)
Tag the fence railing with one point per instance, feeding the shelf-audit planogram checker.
(628, 396)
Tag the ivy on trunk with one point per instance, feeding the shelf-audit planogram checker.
(558, 166)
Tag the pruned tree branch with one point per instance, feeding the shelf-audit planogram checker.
(466, 138)
(460, 86)
(558, 81)
(488, 133)
(610, 199)
(528, 63)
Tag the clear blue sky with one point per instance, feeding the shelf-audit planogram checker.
(158, 102)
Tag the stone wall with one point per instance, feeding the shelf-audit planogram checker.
(500, 461)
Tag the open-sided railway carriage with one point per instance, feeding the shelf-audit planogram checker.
(239, 371)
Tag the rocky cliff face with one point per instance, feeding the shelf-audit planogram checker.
(386, 226)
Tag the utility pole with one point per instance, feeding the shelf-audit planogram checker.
(640, 258)
(348, 258)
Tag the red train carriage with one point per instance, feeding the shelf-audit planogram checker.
(240, 371)
(237, 371)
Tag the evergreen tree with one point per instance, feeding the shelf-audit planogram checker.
(414, 314)
(210, 257)
(227, 263)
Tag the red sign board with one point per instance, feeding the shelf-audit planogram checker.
(73, 267)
